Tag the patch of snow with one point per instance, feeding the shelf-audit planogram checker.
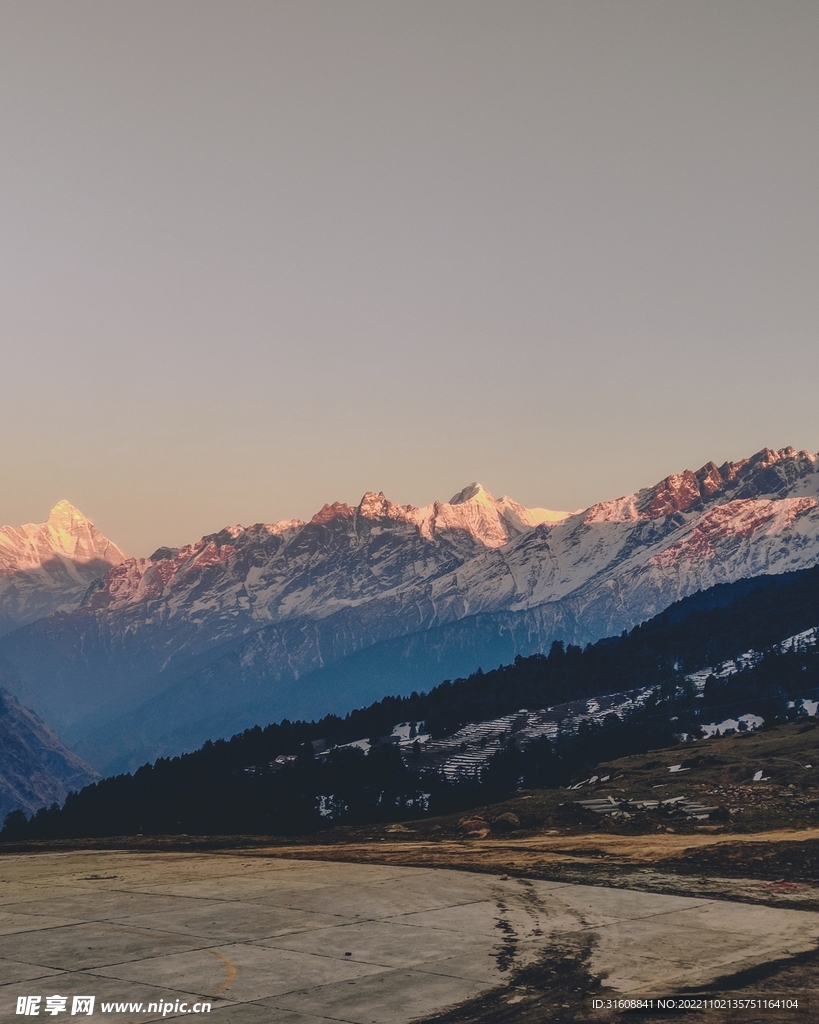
(537, 516)
(329, 807)
(799, 641)
(403, 730)
(579, 785)
(361, 744)
(731, 724)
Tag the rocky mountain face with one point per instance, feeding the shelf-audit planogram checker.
(301, 618)
(36, 768)
(48, 567)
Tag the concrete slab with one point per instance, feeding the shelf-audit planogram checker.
(99, 905)
(374, 900)
(14, 972)
(252, 877)
(10, 923)
(599, 907)
(514, 913)
(385, 943)
(230, 920)
(692, 946)
(266, 940)
(389, 998)
(248, 971)
(78, 947)
(478, 966)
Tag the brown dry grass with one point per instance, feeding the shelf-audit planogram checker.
(528, 854)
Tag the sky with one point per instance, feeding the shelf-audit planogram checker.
(256, 256)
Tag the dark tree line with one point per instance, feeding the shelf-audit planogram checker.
(347, 786)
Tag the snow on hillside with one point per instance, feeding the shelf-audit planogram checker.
(800, 641)
(467, 751)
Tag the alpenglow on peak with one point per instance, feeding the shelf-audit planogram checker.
(65, 512)
(472, 492)
(47, 567)
(529, 517)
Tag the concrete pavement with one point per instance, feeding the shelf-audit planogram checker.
(307, 942)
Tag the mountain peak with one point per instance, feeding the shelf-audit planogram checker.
(47, 567)
(70, 533)
(338, 510)
(64, 511)
(473, 492)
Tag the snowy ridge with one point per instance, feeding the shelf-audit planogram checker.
(476, 553)
(485, 522)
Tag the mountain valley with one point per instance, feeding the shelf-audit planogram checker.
(731, 659)
(36, 768)
(297, 619)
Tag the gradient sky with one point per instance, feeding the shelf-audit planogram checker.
(258, 255)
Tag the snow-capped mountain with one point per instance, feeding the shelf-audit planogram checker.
(620, 562)
(343, 556)
(301, 618)
(48, 567)
(152, 615)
